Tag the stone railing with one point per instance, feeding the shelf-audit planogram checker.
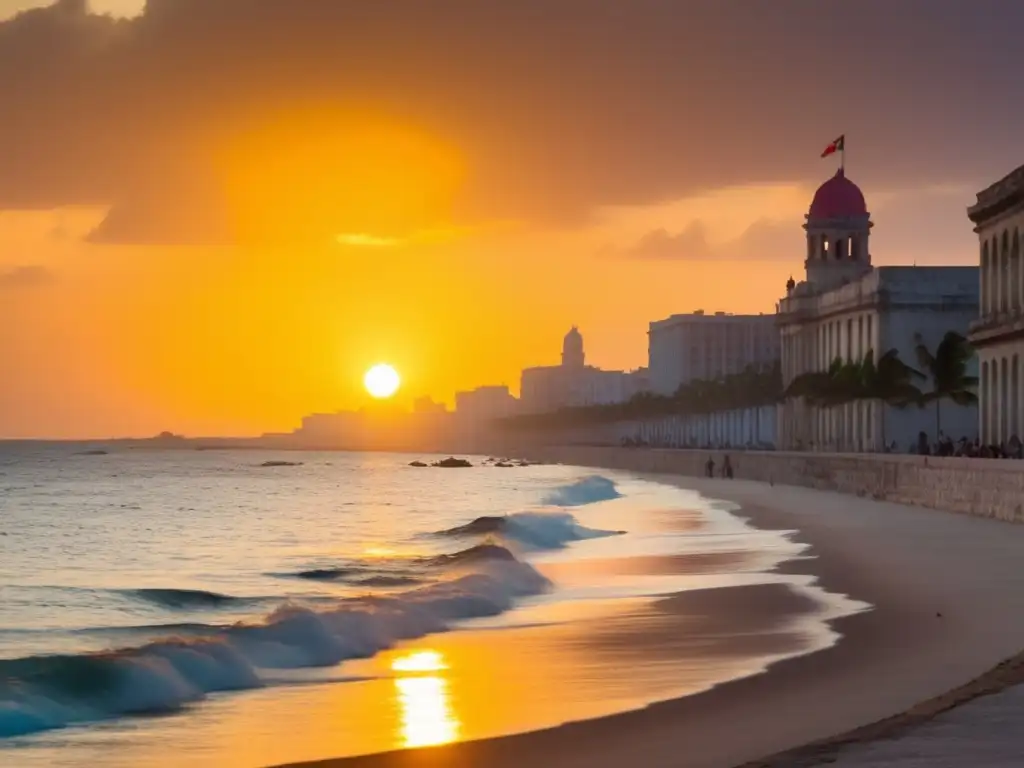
(980, 487)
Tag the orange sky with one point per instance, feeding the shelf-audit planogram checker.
(262, 249)
(243, 339)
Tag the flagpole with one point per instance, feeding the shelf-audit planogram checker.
(842, 156)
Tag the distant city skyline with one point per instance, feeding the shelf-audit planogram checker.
(198, 237)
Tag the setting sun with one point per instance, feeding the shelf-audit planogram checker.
(382, 381)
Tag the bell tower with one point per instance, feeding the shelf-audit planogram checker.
(838, 231)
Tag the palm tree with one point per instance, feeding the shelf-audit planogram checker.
(823, 388)
(890, 381)
(947, 369)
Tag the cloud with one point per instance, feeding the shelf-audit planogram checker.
(763, 240)
(32, 276)
(532, 111)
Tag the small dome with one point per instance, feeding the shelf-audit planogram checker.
(838, 198)
(574, 334)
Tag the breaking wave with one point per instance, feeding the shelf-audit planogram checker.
(532, 530)
(586, 490)
(44, 692)
(172, 665)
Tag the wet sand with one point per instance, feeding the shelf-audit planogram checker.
(948, 592)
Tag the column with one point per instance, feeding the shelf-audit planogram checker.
(1020, 272)
(986, 403)
(1004, 434)
(1015, 277)
(993, 399)
(982, 376)
(1015, 425)
(993, 262)
(1018, 393)
(993, 414)
(983, 302)
(999, 283)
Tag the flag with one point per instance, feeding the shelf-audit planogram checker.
(835, 146)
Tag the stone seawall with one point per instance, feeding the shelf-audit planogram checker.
(981, 487)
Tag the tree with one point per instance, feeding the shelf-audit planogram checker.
(824, 389)
(890, 381)
(947, 370)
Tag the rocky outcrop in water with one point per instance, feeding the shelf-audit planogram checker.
(451, 463)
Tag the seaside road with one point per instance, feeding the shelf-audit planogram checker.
(948, 592)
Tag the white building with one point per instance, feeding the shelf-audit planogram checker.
(684, 348)
(845, 307)
(998, 335)
(574, 383)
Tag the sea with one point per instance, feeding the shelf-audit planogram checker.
(251, 608)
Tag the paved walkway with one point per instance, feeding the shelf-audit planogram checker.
(987, 732)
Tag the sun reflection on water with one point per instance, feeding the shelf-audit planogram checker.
(424, 700)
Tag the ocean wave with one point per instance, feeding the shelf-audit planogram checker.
(45, 692)
(533, 530)
(388, 581)
(323, 574)
(479, 553)
(586, 490)
(184, 598)
(359, 576)
(481, 526)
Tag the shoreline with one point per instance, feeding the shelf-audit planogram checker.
(947, 609)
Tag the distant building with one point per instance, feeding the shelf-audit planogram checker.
(330, 427)
(998, 334)
(845, 307)
(485, 404)
(427, 405)
(574, 383)
(684, 348)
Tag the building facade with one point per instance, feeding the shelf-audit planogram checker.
(845, 308)
(684, 348)
(576, 384)
(485, 404)
(998, 333)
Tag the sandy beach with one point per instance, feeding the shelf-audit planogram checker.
(948, 593)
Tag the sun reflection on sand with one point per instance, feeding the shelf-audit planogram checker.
(424, 700)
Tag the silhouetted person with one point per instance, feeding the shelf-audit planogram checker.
(709, 468)
(727, 468)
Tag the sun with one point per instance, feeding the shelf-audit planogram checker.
(382, 381)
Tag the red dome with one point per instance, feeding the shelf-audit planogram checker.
(838, 198)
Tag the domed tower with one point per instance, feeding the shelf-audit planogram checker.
(838, 227)
(572, 349)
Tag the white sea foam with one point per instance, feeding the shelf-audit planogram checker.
(38, 693)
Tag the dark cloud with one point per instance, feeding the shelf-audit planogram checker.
(557, 105)
(31, 276)
(763, 240)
